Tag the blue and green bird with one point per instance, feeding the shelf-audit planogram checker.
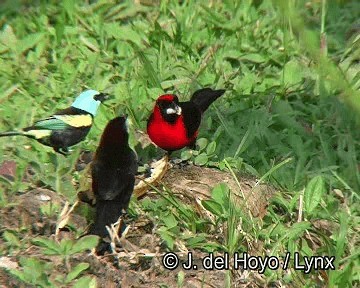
(66, 127)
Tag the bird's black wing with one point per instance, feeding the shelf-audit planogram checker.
(113, 189)
(192, 117)
(204, 97)
(71, 111)
(112, 182)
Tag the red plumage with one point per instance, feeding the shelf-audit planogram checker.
(174, 125)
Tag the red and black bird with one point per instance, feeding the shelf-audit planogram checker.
(174, 125)
(113, 173)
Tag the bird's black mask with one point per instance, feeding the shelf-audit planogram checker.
(170, 110)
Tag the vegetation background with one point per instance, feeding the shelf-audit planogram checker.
(290, 117)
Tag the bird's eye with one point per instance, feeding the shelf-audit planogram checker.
(160, 105)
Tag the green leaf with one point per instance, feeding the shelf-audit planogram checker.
(296, 230)
(292, 73)
(201, 159)
(210, 149)
(180, 279)
(213, 207)
(341, 237)
(75, 272)
(313, 193)
(90, 43)
(29, 42)
(170, 221)
(198, 240)
(85, 243)
(19, 274)
(52, 248)
(220, 194)
(124, 33)
(7, 37)
(253, 57)
(69, 6)
(167, 236)
(66, 246)
(33, 272)
(86, 282)
(186, 155)
(11, 238)
(202, 143)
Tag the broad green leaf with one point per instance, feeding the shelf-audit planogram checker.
(11, 238)
(210, 149)
(186, 155)
(75, 272)
(201, 159)
(66, 246)
(293, 73)
(213, 207)
(170, 221)
(220, 194)
(313, 193)
(167, 236)
(52, 248)
(202, 143)
(253, 57)
(85, 243)
(85, 282)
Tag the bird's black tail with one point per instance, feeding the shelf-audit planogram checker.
(107, 213)
(204, 97)
(11, 133)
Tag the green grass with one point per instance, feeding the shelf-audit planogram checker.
(290, 115)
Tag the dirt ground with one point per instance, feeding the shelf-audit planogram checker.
(138, 258)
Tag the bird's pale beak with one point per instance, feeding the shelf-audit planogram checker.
(174, 110)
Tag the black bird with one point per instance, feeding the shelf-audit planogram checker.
(113, 176)
(66, 127)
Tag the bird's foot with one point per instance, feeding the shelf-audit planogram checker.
(103, 247)
(179, 163)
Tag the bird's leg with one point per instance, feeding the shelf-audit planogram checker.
(103, 247)
(192, 146)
